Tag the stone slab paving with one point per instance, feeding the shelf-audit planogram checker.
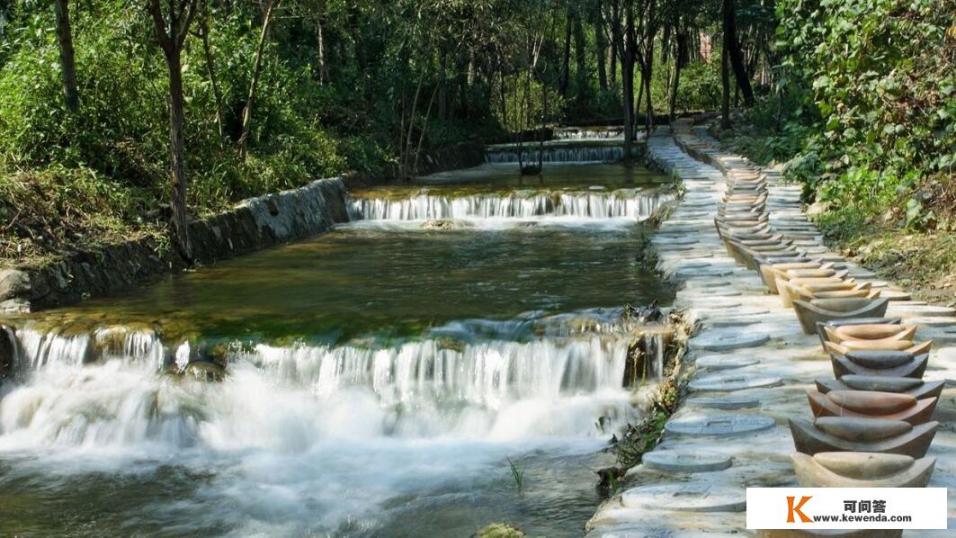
(756, 364)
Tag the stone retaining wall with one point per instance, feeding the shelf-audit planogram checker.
(252, 225)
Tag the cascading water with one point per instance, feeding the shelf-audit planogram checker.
(377, 382)
(635, 204)
(588, 133)
(572, 153)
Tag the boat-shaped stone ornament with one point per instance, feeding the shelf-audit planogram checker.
(862, 470)
(879, 363)
(916, 388)
(847, 322)
(870, 332)
(790, 292)
(770, 272)
(871, 404)
(853, 434)
(885, 344)
(824, 310)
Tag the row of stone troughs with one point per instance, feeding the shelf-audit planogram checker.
(872, 422)
(756, 286)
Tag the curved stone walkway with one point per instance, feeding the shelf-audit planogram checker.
(753, 363)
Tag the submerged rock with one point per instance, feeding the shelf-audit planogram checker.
(500, 530)
(204, 371)
(438, 224)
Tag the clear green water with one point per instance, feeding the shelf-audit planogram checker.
(389, 373)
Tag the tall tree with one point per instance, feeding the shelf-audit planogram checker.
(600, 44)
(725, 89)
(64, 38)
(647, 30)
(171, 31)
(580, 63)
(566, 56)
(628, 49)
(256, 73)
(203, 33)
(732, 45)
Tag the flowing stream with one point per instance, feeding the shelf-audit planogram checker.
(384, 379)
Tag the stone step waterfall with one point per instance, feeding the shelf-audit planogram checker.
(634, 204)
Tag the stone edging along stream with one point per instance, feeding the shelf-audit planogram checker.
(750, 363)
(251, 225)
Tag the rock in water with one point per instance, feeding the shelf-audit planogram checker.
(8, 351)
(438, 224)
(205, 371)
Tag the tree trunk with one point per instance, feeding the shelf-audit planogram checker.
(679, 61)
(211, 71)
(256, 73)
(320, 42)
(649, 113)
(64, 37)
(725, 86)
(627, 78)
(600, 49)
(736, 56)
(177, 154)
(581, 66)
(615, 39)
(171, 37)
(566, 59)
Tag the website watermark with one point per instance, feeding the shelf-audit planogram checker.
(846, 508)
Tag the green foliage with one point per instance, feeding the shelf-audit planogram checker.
(699, 87)
(517, 474)
(882, 77)
(525, 103)
(863, 110)
(345, 86)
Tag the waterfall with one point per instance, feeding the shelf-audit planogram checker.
(636, 204)
(555, 154)
(588, 133)
(109, 386)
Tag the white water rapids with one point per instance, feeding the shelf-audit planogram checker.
(312, 436)
(406, 427)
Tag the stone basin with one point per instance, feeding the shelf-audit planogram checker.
(885, 405)
(851, 434)
(916, 388)
(862, 470)
(824, 310)
(887, 344)
(814, 273)
(847, 322)
(769, 272)
(789, 292)
(845, 365)
(870, 332)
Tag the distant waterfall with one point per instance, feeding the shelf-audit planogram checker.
(634, 204)
(572, 153)
(588, 133)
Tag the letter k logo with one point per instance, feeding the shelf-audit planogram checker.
(791, 509)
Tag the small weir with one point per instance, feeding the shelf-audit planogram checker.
(568, 152)
(385, 378)
(634, 204)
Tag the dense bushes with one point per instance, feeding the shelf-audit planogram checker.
(866, 107)
(120, 129)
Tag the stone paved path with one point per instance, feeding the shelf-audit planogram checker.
(753, 365)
